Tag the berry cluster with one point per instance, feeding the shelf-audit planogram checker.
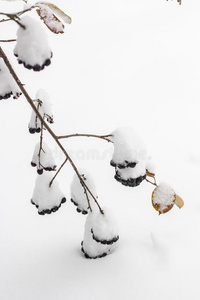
(32, 48)
(101, 233)
(43, 158)
(129, 157)
(8, 86)
(43, 105)
(78, 197)
(47, 199)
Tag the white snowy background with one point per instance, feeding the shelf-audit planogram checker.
(120, 63)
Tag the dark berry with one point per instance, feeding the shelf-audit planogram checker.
(38, 130)
(63, 200)
(112, 163)
(36, 68)
(33, 164)
(40, 171)
(78, 210)
(47, 62)
(131, 164)
(27, 66)
(32, 130)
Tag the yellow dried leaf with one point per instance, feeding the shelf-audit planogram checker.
(150, 174)
(163, 198)
(179, 201)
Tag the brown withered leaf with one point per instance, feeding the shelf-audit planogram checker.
(179, 201)
(163, 198)
(57, 11)
(150, 174)
(50, 20)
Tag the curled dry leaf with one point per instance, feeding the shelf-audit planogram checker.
(56, 10)
(50, 20)
(150, 174)
(179, 201)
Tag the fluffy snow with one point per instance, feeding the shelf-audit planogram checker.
(137, 171)
(46, 159)
(105, 226)
(46, 107)
(77, 191)
(45, 197)
(7, 83)
(120, 63)
(32, 47)
(92, 248)
(128, 146)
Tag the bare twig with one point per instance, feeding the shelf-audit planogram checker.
(103, 137)
(7, 41)
(57, 172)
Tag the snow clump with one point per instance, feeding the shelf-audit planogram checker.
(101, 244)
(78, 196)
(43, 105)
(32, 48)
(43, 158)
(129, 157)
(47, 199)
(8, 86)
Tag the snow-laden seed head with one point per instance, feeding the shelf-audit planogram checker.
(90, 247)
(43, 158)
(32, 47)
(105, 228)
(47, 199)
(78, 195)
(8, 86)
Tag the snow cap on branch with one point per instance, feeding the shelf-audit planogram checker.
(78, 195)
(32, 48)
(129, 157)
(8, 86)
(43, 158)
(104, 242)
(43, 105)
(47, 199)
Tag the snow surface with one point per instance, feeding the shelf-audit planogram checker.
(120, 63)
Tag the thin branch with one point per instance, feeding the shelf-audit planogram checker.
(103, 137)
(154, 183)
(57, 172)
(13, 17)
(7, 41)
(53, 135)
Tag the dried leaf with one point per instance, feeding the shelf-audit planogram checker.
(163, 198)
(57, 11)
(150, 174)
(179, 201)
(50, 20)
